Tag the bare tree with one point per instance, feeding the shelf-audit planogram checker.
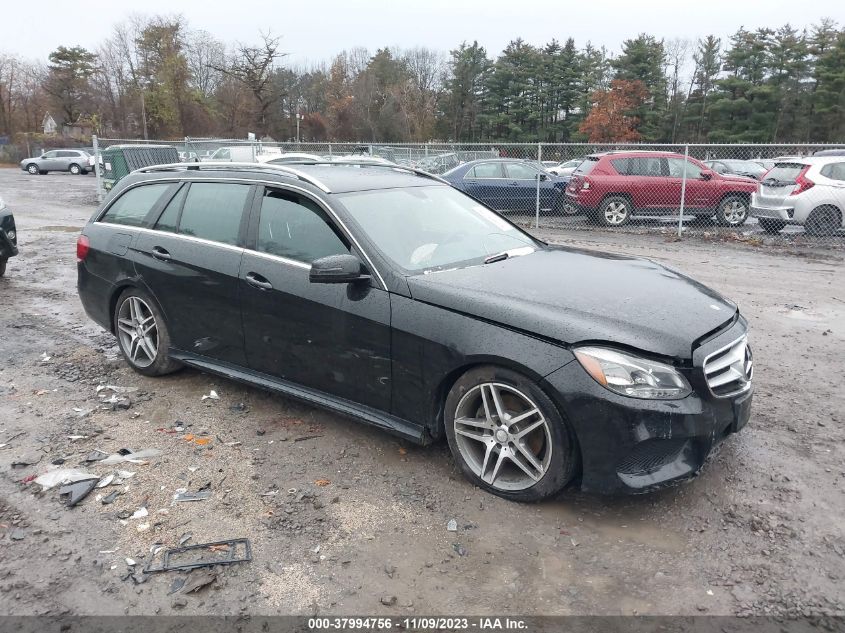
(206, 56)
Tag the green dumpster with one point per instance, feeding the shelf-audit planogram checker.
(118, 160)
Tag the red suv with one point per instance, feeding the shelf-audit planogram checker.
(612, 186)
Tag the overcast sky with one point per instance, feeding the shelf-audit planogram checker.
(313, 31)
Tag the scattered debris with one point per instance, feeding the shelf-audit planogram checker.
(45, 358)
(77, 491)
(197, 580)
(27, 459)
(95, 456)
(212, 395)
(388, 601)
(133, 457)
(240, 407)
(184, 538)
(204, 555)
(306, 437)
(143, 527)
(110, 498)
(57, 476)
(140, 513)
(182, 494)
(322, 482)
(17, 534)
(459, 549)
(176, 585)
(452, 525)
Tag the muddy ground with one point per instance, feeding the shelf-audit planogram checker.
(344, 519)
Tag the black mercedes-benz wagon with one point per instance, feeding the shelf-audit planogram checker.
(384, 294)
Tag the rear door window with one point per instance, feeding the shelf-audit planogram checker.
(213, 211)
(521, 171)
(169, 218)
(133, 206)
(486, 171)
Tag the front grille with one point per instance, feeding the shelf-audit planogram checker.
(651, 455)
(729, 370)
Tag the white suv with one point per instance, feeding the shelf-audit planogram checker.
(805, 191)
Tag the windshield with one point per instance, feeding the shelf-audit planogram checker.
(431, 228)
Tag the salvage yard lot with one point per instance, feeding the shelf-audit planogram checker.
(345, 519)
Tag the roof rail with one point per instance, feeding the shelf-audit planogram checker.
(366, 163)
(224, 165)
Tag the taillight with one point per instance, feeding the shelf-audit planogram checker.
(802, 182)
(82, 248)
(586, 184)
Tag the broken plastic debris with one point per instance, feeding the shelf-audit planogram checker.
(182, 494)
(73, 438)
(77, 491)
(452, 525)
(140, 513)
(110, 498)
(105, 481)
(45, 358)
(130, 562)
(212, 395)
(133, 457)
(116, 389)
(143, 527)
(53, 478)
(203, 555)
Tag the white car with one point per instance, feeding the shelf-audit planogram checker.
(806, 191)
(566, 168)
(244, 154)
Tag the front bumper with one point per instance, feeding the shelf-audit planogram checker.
(8, 246)
(630, 445)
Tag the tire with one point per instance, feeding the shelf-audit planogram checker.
(148, 355)
(771, 226)
(489, 453)
(703, 220)
(615, 211)
(74, 169)
(32, 169)
(823, 221)
(3, 261)
(732, 210)
(562, 207)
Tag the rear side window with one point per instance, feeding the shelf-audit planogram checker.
(487, 170)
(834, 171)
(621, 165)
(169, 219)
(586, 166)
(213, 211)
(133, 206)
(645, 166)
(785, 172)
(296, 228)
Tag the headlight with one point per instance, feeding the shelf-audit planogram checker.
(631, 375)
(12, 235)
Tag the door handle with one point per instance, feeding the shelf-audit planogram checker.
(514, 184)
(162, 254)
(257, 281)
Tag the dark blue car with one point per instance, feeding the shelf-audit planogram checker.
(509, 184)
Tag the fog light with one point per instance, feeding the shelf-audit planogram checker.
(12, 235)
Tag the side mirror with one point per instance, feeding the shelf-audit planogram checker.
(707, 174)
(336, 269)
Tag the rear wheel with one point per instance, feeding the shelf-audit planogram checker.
(823, 222)
(563, 207)
(615, 211)
(732, 211)
(142, 334)
(771, 226)
(507, 436)
(74, 169)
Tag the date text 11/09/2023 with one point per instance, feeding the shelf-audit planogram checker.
(420, 623)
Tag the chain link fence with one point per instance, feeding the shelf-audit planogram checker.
(766, 194)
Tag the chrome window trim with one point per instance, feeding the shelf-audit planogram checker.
(184, 236)
(271, 183)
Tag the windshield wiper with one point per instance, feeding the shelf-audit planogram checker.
(498, 257)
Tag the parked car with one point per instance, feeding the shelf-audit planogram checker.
(508, 184)
(830, 152)
(75, 161)
(119, 160)
(747, 168)
(296, 157)
(612, 187)
(805, 191)
(8, 236)
(383, 294)
(439, 164)
(244, 154)
(565, 168)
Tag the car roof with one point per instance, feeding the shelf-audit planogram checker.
(635, 152)
(810, 160)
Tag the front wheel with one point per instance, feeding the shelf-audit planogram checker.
(507, 436)
(771, 226)
(32, 169)
(732, 211)
(142, 334)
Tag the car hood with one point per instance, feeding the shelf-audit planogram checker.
(575, 296)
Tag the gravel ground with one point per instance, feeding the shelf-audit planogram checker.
(344, 519)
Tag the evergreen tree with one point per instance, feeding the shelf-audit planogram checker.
(644, 59)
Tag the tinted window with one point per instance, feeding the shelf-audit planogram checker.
(169, 219)
(645, 166)
(49, 155)
(296, 228)
(66, 154)
(586, 166)
(676, 168)
(620, 165)
(134, 205)
(213, 211)
(521, 171)
(487, 170)
(785, 172)
(834, 171)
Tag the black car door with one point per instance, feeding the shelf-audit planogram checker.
(190, 263)
(331, 337)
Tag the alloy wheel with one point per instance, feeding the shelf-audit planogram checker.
(616, 213)
(32, 169)
(503, 436)
(734, 212)
(137, 331)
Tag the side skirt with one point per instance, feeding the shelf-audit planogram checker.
(392, 424)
